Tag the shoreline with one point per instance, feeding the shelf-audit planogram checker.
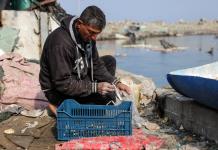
(142, 30)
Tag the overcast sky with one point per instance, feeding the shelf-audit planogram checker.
(148, 10)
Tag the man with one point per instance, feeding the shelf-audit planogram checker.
(70, 64)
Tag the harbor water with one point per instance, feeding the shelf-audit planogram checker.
(156, 64)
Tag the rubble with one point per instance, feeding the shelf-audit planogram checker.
(157, 29)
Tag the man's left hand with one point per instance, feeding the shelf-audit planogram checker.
(123, 87)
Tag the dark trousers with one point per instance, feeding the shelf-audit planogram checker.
(95, 98)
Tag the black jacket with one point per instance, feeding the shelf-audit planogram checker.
(59, 70)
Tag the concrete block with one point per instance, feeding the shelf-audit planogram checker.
(191, 115)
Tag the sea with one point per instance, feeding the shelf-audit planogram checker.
(199, 50)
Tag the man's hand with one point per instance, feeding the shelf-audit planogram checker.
(105, 87)
(123, 87)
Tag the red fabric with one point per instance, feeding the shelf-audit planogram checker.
(137, 141)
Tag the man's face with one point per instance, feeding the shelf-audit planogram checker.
(88, 32)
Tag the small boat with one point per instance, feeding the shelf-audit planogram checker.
(199, 83)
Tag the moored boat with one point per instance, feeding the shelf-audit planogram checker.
(199, 83)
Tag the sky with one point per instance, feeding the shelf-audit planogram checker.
(148, 10)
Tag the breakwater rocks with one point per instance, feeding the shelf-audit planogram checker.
(141, 30)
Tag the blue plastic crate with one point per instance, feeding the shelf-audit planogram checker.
(76, 120)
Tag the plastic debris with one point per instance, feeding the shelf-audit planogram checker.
(151, 126)
(9, 131)
(30, 125)
(32, 113)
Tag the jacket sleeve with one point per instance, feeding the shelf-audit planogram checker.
(99, 70)
(63, 78)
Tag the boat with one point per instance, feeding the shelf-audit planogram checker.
(199, 83)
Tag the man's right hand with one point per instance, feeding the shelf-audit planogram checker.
(105, 87)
